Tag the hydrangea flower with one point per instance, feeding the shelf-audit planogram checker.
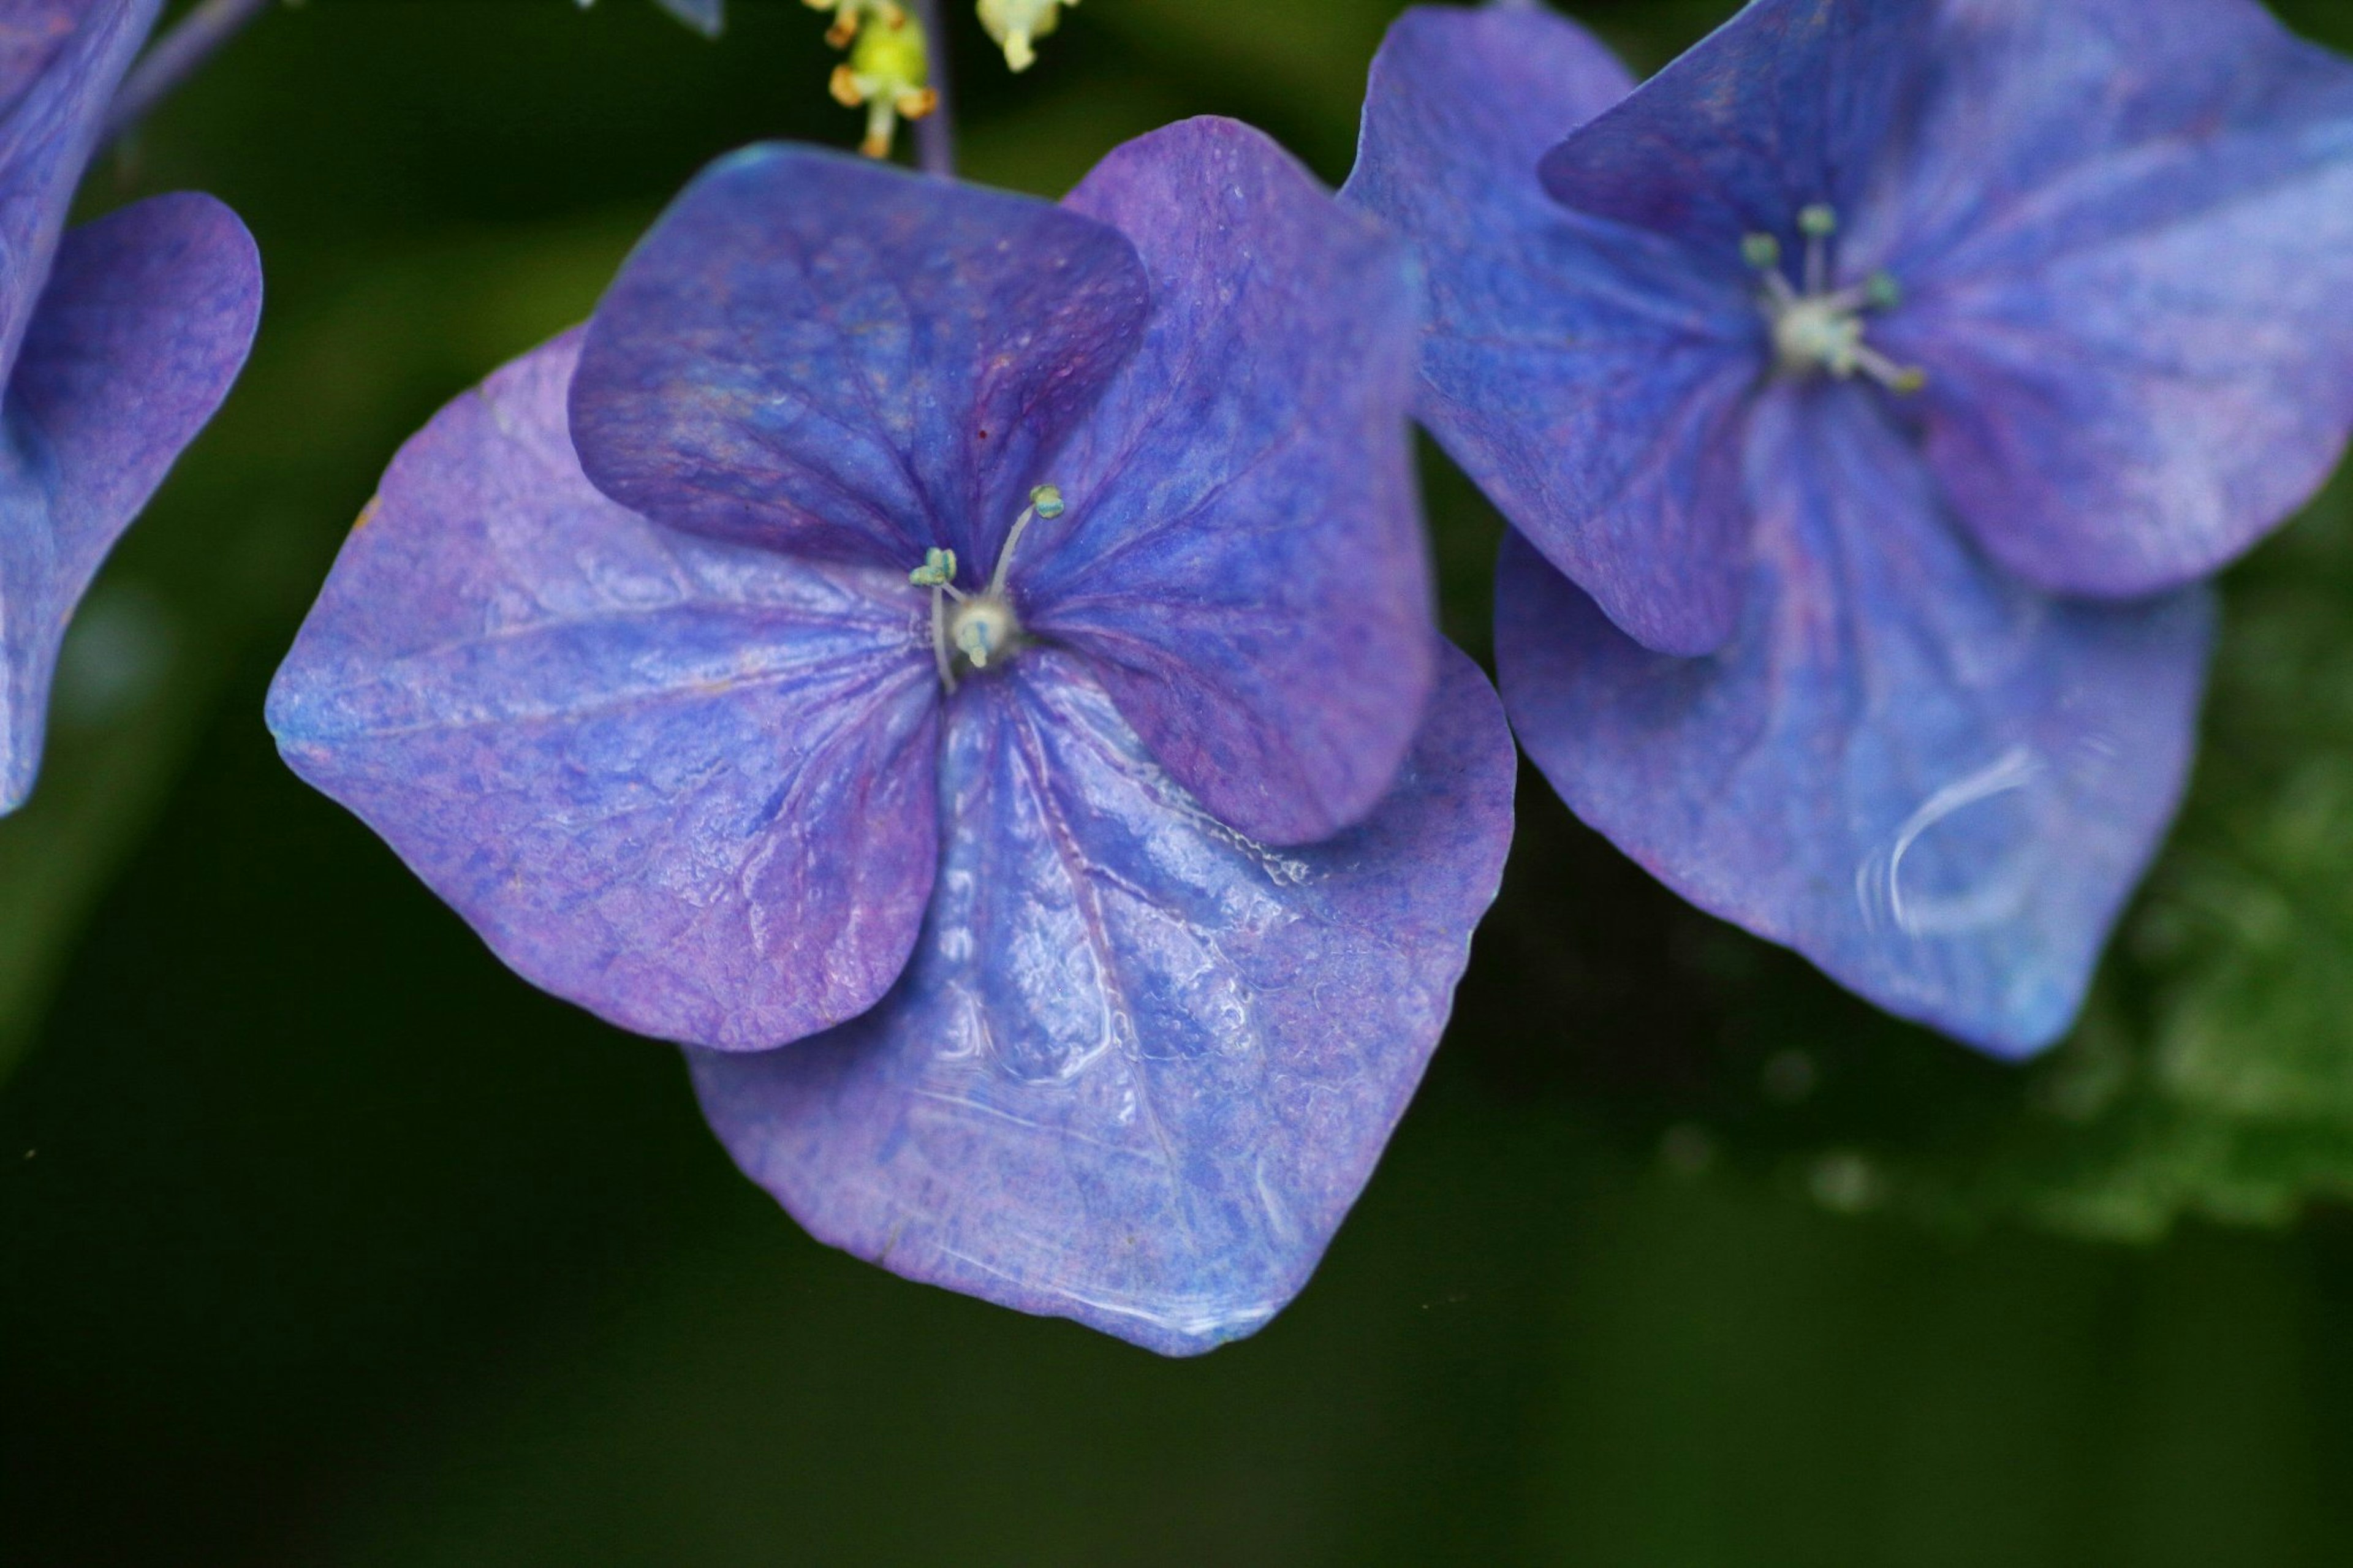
(1863, 391)
(898, 683)
(117, 342)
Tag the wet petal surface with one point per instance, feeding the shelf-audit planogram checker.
(1937, 784)
(1140, 1066)
(688, 786)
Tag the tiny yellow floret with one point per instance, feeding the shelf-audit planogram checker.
(888, 72)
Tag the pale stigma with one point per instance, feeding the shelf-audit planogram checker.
(1820, 330)
(982, 627)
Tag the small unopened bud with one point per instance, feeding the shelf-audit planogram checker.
(1015, 24)
(850, 15)
(887, 73)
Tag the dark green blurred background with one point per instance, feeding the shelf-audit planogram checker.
(325, 1240)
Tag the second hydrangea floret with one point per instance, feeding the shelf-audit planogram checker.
(118, 340)
(1868, 390)
(953, 603)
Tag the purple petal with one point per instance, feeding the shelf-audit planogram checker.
(60, 61)
(1241, 555)
(1140, 1066)
(146, 320)
(705, 16)
(1588, 380)
(1937, 785)
(690, 786)
(835, 358)
(2126, 231)
(1791, 103)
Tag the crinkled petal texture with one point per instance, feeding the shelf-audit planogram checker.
(145, 322)
(835, 358)
(60, 61)
(689, 785)
(1934, 782)
(2125, 227)
(1588, 378)
(1140, 1065)
(1241, 555)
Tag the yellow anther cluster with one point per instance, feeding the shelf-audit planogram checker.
(888, 70)
(1015, 24)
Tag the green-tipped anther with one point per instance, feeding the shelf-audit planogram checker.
(1819, 221)
(1761, 251)
(1047, 501)
(937, 571)
(1910, 379)
(1881, 291)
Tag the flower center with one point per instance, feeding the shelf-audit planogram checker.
(1819, 329)
(981, 626)
(972, 629)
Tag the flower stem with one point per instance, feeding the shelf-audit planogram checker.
(936, 132)
(175, 57)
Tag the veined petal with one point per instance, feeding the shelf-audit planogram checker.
(1935, 783)
(1242, 553)
(1140, 1066)
(60, 61)
(2125, 231)
(1587, 377)
(687, 785)
(146, 320)
(1791, 104)
(835, 358)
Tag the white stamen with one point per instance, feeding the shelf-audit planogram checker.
(981, 626)
(1815, 334)
(1821, 329)
(978, 626)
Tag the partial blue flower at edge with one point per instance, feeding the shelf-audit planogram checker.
(117, 342)
(1889, 722)
(705, 16)
(1008, 989)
